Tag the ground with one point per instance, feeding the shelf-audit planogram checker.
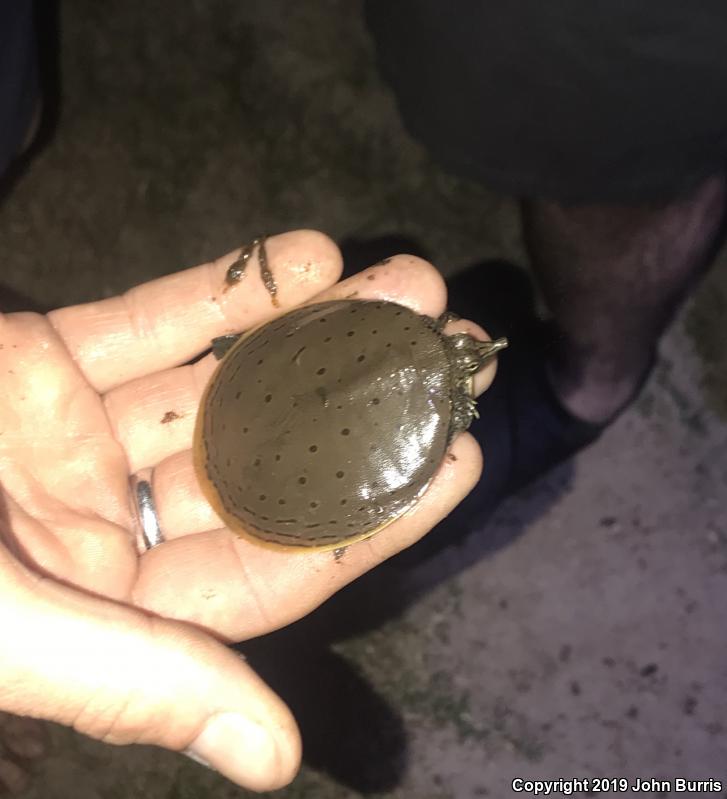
(582, 633)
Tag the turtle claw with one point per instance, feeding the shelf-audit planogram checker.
(444, 319)
(222, 344)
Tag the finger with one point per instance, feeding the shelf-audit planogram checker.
(406, 279)
(181, 506)
(168, 321)
(120, 676)
(153, 417)
(241, 589)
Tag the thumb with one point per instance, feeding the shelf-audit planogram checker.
(121, 676)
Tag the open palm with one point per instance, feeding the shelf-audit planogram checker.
(95, 393)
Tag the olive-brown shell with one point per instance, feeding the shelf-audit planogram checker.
(324, 425)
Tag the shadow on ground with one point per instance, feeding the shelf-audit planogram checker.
(350, 731)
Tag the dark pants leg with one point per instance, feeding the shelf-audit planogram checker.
(19, 82)
(613, 277)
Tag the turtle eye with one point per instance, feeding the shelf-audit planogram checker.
(459, 340)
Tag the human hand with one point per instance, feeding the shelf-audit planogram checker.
(128, 646)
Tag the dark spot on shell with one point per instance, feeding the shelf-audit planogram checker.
(321, 371)
(345, 431)
(413, 343)
(327, 339)
(313, 448)
(302, 480)
(277, 457)
(268, 397)
(322, 319)
(238, 395)
(407, 327)
(256, 462)
(244, 429)
(350, 332)
(375, 401)
(260, 362)
(374, 332)
(371, 277)
(339, 407)
(170, 416)
(361, 358)
(388, 343)
(311, 526)
(314, 504)
(262, 497)
(339, 474)
(451, 456)
(281, 502)
(344, 501)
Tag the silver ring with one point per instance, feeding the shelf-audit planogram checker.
(149, 532)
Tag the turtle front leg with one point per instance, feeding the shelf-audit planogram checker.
(464, 410)
(444, 319)
(222, 344)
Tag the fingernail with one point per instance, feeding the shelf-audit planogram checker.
(232, 743)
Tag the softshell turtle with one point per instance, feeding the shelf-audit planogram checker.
(324, 425)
